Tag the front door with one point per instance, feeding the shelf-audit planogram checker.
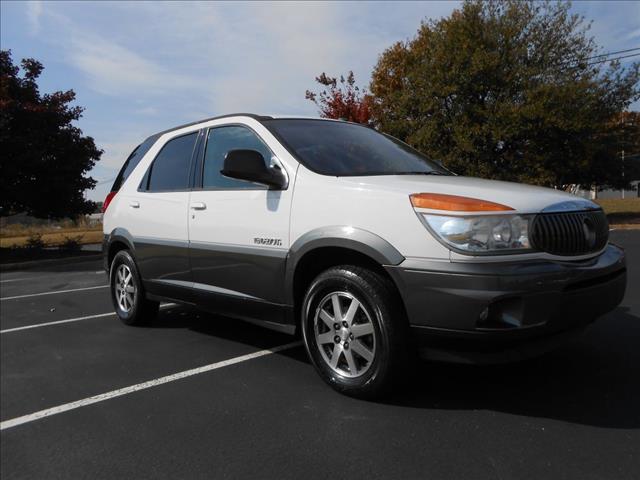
(238, 233)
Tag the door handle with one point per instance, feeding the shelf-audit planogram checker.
(198, 206)
(134, 204)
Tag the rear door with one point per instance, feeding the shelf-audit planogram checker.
(238, 232)
(159, 210)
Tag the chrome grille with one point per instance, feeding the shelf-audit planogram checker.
(570, 233)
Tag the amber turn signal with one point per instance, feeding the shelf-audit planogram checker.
(439, 201)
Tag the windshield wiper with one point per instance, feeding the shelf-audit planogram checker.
(433, 172)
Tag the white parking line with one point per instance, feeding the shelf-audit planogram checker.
(32, 417)
(58, 322)
(52, 293)
(69, 320)
(16, 280)
(40, 277)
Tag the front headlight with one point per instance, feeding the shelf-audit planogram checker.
(481, 233)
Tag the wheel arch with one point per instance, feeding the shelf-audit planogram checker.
(320, 249)
(119, 239)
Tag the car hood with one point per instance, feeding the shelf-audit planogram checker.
(522, 198)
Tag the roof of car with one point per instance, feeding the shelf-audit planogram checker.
(260, 118)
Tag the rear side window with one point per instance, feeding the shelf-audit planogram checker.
(132, 162)
(170, 169)
(219, 142)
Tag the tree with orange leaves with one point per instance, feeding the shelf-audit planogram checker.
(342, 99)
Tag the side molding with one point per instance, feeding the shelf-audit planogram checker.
(343, 236)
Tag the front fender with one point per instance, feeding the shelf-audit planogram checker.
(342, 236)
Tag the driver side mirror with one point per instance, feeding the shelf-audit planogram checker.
(250, 165)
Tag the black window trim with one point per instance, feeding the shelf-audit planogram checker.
(199, 181)
(144, 183)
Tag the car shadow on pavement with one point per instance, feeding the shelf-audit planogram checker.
(182, 316)
(593, 380)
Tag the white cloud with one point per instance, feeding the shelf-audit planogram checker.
(262, 57)
(34, 14)
(114, 70)
(225, 57)
(109, 67)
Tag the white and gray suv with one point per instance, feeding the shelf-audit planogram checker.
(357, 242)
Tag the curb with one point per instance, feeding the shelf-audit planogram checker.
(625, 226)
(9, 267)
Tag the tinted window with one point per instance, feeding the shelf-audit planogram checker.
(347, 149)
(132, 162)
(219, 141)
(170, 169)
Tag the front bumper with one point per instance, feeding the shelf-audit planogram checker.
(494, 312)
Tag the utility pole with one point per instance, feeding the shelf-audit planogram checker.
(623, 174)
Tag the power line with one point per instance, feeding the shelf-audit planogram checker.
(584, 65)
(612, 53)
(602, 58)
(613, 59)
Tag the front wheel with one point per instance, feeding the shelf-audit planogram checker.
(354, 330)
(127, 294)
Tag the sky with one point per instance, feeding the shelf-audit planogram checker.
(141, 67)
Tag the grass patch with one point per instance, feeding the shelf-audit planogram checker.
(622, 211)
(56, 238)
(19, 230)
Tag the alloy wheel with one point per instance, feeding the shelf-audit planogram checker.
(345, 334)
(125, 289)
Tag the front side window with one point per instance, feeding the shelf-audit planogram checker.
(219, 142)
(347, 149)
(170, 169)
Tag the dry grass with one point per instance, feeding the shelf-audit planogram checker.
(618, 205)
(55, 238)
(622, 213)
(65, 227)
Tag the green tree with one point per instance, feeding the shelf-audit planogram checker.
(507, 90)
(44, 159)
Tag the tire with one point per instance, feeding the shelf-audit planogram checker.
(132, 308)
(374, 332)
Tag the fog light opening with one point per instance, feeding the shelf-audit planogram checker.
(501, 314)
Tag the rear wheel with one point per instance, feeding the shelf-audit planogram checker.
(354, 330)
(127, 293)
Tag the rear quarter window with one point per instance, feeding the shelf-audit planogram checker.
(132, 162)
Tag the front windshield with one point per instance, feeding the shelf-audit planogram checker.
(348, 149)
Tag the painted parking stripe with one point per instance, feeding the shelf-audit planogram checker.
(16, 280)
(69, 320)
(53, 293)
(58, 322)
(32, 417)
(41, 277)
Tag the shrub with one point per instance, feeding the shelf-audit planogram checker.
(72, 244)
(34, 242)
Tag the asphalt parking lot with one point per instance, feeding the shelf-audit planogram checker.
(255, 413)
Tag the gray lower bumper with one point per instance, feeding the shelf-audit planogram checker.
(508, 303)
